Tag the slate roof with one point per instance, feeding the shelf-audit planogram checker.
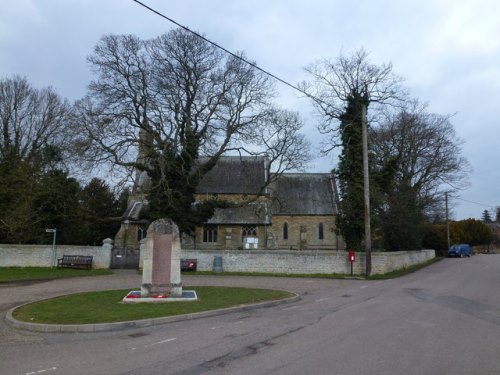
(252, 213)
(303, 194)
(234, 175)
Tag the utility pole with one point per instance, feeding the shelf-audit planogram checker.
(366, 190)
(447, 220)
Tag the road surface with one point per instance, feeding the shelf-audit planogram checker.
(444, 319)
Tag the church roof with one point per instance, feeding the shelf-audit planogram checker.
(234, 175)
(303, 194)
(252, 213)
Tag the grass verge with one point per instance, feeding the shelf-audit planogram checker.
(10, 274)
(404, 271)
(106, 307)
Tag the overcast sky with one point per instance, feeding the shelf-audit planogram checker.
(447, 51)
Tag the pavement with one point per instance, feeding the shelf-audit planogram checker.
(13, 295)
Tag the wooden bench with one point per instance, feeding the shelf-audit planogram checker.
(75, 261)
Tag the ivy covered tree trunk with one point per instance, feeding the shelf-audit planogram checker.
(350, 221)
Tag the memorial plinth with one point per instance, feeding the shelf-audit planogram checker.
(161, 267)
(161, 274)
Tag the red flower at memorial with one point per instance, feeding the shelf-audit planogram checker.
(159, 296)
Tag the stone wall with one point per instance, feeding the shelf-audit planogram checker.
(306, 262)
(267, 261)
(41, 255)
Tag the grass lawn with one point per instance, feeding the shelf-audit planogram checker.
(40, 273)
(105, 307)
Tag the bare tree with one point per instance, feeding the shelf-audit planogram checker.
(426, 160)
(336, 82)
(171, 106)
(427, 151)
(32, 120)
(280, 141)
(34, 137)
(341, 90)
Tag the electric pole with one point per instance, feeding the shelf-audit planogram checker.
(366, 189)
(447, 220)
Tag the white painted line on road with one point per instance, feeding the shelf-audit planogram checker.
(363, 287)
(322, 299)
(42, 371)
(216, 327)
(290, 308)
(161, 342)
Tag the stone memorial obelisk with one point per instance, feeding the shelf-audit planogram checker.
(161, 269)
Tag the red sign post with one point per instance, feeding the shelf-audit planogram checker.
(352, 258)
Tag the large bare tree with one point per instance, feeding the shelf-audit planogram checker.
(340, 89)
(32, 120)
(427, 150)
(337, 82)
(34, 136)
(171, 106)
(426, 160)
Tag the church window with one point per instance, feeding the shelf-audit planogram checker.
(285, 231)
(249, 231)
(321, 231)
(141, 233)
(210, 233)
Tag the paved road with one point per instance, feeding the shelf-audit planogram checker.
(444, 319)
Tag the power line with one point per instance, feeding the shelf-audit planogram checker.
(231, 53)
(477, 203)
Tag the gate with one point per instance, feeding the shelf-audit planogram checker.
(125, 258)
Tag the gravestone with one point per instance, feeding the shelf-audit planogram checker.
(161, 269)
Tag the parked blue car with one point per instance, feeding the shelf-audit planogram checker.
(460, 250)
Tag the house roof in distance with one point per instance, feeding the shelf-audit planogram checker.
(234, 175)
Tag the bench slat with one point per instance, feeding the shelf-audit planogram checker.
(75, 261)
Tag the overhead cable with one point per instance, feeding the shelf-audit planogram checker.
(230, 53)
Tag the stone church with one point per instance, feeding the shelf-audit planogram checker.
(296, 211)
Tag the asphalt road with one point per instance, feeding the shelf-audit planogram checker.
(444, 319)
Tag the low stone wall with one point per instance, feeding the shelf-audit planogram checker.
(41, 255)
(306, 262)
(266, 261)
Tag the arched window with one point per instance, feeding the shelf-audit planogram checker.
(249, 231)
(285, 231)
(210, 233)
(321, 231)
(141, 233)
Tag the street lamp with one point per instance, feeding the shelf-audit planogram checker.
(53, 256)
